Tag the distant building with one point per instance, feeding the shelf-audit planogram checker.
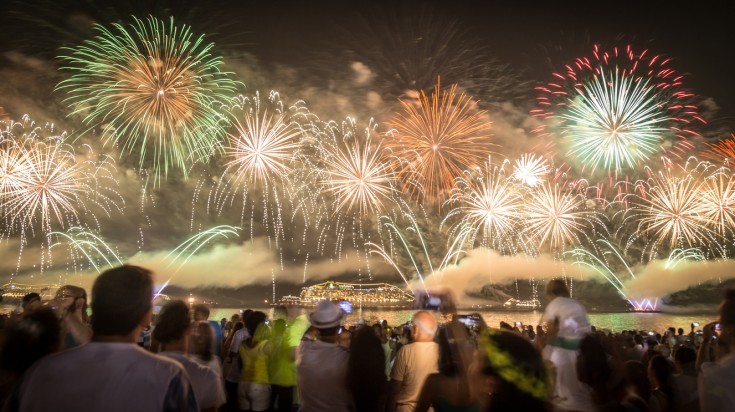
(365, 295)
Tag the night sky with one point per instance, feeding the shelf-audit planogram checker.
(308, 50)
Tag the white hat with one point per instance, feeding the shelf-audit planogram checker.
(326, 315)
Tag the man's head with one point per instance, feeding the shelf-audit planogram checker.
(556, 288)
(423, 326)
(31, 301)
(201, 312)
(326, 318)
(121, 301)
(173, 322)
(684, 356)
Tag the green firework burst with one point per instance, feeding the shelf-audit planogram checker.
(151, 88)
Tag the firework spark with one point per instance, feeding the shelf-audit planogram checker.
(531, 169)
(357, 173)
(718, 201)
(671, 210)
(408, 48)
(618, 109)
(81, 242)
(263, 148)
(721, 151)
(45, 182)
(14, 165)
(437, 140)
(491, 204)
(555, 216)
(150, 86)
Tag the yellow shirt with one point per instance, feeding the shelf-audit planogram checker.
(254, 363)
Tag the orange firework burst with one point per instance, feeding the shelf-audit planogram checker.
(722, 150)
(435, 139)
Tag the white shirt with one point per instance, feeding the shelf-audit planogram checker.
(414, 362)
(237, 339)
(233, 374)
(322, 377)
(215, 363)
(573, 321)
(106, 377)
(208, 388)
(717, 385)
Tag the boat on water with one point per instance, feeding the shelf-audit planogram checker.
(519, 305)
(12, 292)
(365, 295)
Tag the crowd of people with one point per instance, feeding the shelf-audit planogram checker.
(120, 357)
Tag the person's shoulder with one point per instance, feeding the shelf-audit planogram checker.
(724, 368)
(160, 362)
(215, 325)
(192, 366)
(50, 364)
(566, 304)
(328, 349)
(413, 346)
(553, 304)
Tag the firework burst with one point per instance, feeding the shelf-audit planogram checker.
(616, 110)
(723, 150)
(263, 147)
(45, 182)
(671, 210)
(531, 169)
(436, 140)
(14, 166)
(491, 204)
(357, 172)
(150, 86)
(555, 217)
(718, 201)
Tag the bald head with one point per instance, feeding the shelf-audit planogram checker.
(424, 326)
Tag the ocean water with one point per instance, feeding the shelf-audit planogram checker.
(615, 322)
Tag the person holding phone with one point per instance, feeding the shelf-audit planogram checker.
(71, 305)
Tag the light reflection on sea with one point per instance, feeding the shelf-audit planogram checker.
(610, 321)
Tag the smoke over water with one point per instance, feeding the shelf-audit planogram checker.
(655, 280)
(250, 263)
(658, 280)
(483, 266)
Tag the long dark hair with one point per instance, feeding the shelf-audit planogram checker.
(27, 338)
(366, 371)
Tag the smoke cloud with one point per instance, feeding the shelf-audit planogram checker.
(483, 266)
(244, 264)
(656, 280)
